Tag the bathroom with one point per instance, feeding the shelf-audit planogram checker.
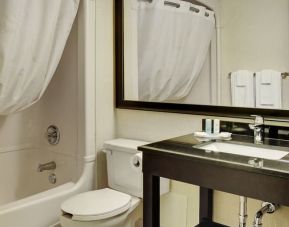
(80, 101)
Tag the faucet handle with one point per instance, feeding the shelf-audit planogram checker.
(259, 120)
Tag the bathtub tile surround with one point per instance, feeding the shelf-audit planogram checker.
(24, 185)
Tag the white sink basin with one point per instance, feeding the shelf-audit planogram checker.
(250, 151)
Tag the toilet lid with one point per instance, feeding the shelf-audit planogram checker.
(96, 205)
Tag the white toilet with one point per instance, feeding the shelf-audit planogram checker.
(117, 206)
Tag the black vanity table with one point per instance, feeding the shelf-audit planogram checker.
(178, 159)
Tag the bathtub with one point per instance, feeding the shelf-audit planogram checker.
(38, 204)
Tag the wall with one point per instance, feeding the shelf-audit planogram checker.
(105, 119)
(254, 36)
(18, 131)
(59, 106)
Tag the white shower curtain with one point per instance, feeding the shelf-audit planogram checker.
(33, 34)
(172, 47)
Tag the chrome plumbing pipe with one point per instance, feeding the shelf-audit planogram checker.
(266, 208)
(243, 212)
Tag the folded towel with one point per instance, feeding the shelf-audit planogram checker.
(266, 77)
(242, 88)
(269, 89)
(241, 80)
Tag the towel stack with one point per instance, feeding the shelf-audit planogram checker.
(269, 89)
(242, 87)
(265, 92)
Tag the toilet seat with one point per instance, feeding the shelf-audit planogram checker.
(96, 205)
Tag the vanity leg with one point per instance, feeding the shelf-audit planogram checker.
(151, 200)
(206, 204)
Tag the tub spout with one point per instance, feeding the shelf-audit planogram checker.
(266, 208)
(46, 166)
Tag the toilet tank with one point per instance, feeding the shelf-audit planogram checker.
(122, 176)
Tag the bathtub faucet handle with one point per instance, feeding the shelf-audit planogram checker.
(53, 135)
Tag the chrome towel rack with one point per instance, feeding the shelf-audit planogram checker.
(283, 75)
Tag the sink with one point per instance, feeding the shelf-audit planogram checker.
(262, 151)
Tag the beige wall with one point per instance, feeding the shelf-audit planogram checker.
(254, 36)
(59, 104)
(180, 207)
(105, 119)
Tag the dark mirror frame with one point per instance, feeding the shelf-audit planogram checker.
(210, 110)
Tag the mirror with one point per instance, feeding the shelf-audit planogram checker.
(227, 53)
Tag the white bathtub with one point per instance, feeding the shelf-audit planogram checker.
(41, 209)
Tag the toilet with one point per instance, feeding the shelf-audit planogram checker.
(118, 205)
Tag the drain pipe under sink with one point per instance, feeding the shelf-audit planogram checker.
(269, 208)
(243, 212)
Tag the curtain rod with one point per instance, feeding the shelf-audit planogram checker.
(195, 2)
(199, 4)
(283, 75)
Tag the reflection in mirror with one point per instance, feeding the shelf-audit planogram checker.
(207, 52)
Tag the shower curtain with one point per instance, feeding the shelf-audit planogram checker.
(33, 34)
(173, 43)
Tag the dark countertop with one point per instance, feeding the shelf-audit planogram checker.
(185, 147)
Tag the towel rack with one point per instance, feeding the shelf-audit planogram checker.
(283, 75)
(230, 74)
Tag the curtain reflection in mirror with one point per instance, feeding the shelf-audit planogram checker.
(173, 42)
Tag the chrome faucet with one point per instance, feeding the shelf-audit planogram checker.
(46, 166)
(258, 128)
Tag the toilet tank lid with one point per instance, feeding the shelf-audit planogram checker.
(124, 144)
(96, 205)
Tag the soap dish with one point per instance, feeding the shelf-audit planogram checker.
(222, 135)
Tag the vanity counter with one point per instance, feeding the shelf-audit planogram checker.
(180, 159)
(187, 146)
